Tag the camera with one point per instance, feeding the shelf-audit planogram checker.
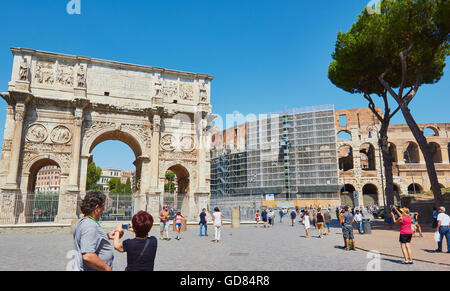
(125, 226)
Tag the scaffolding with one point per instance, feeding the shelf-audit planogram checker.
(290, 155)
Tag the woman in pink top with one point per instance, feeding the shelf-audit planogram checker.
(406, 232)
(178, 224)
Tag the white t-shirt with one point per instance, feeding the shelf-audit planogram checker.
(217, 218)
(358, 217)
(444, 219)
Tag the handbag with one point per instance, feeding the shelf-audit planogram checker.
(437, 236)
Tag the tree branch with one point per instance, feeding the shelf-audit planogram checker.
(372, 106)
(403, 55)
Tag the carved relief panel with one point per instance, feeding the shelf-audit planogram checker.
(44, 73)
(60, 135)
(36, 133)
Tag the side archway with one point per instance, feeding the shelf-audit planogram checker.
(370, 195)
(41, 207)
(347, 195)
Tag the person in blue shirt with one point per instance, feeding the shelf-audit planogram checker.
(203, 222)
(264, 217)
(293, 216)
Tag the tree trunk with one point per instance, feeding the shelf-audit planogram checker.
(387, 163)
(424, 147)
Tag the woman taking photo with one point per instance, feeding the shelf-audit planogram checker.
(141, 251)
(406, 232)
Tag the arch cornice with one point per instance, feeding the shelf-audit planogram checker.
(46, 156)
(138, 147)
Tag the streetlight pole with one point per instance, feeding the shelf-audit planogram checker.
(370, 128)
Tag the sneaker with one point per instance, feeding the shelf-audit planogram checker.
(168, 238)
(411, 262)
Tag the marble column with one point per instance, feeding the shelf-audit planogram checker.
(141, 197)
(155, 193)
(84, 163)
(155, 153)
(7, 142)
(68, 201)
(11, 180)
(76, 147)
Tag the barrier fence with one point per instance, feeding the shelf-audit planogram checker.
(43, 207)
(249, 204)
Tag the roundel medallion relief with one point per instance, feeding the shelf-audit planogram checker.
(168, 143)
(187, 143)
(36, 133)
(60, 134)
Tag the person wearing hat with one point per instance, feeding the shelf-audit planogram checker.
(443, 227)
(164, 222)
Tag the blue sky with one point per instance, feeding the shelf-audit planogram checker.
(265, 55)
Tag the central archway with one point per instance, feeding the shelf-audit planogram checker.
(114, 134)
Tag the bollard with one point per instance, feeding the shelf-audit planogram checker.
(235, 218)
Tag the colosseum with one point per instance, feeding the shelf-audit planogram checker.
(360, 161)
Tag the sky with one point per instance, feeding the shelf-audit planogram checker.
(265, 56)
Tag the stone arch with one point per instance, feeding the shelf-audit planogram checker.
(128, 137)
(397, 192)
(347, 195)
(393, 152)
(436, 152)
(370, 194)
(33, 201)
(430, 131)
(111, 133)
(411, 154)
(344, 135)
(184, 184)
(415, 188)
(52, 158)
(345, 155)
(367, 152)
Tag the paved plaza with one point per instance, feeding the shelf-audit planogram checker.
(248, 248)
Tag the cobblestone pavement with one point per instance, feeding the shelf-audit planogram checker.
(248, 248)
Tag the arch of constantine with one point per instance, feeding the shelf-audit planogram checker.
(60, 107)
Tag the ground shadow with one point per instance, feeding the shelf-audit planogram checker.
(397, 261)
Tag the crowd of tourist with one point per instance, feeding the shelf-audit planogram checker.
(94, 251)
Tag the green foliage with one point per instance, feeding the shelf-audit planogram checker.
(170, 176)
(127, 187)
(114, 185)
(419, 28)
(93, 175)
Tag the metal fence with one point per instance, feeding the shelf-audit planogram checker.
(249, 204)
(35, 207)
(40, 207)
(119, 207)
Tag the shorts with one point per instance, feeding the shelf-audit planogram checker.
(320, 225)
(405, 238)
(178, 225)
(264, 219)
(347, 232)
(327, 225)
(164, 226)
